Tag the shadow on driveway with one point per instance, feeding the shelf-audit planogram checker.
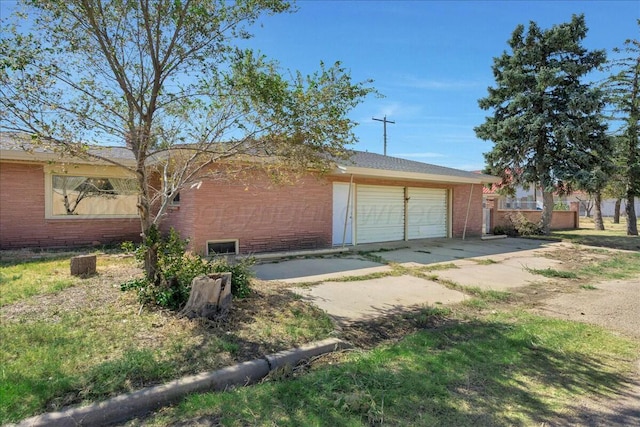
(421, 252)
(317, 268)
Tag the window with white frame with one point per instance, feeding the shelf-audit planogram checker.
(91, 195)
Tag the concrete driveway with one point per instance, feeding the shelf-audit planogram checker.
(499, 264)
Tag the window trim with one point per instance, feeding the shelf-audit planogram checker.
(90, 171)
(235, 241)
(174, 202)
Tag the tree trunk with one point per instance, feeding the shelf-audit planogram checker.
(632, 226)
(138, 141)
(151, 264)
(210, 297)
(597, 204)
(83, 265)
(616, 212)
(547, 212)
(151, 243)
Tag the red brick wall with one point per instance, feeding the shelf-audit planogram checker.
(561, 220)
(180, 216)
(267, 217)
(263, 216)
(22, 215)
(461, 203)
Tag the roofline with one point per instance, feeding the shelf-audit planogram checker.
(47, 157)
(413, 176)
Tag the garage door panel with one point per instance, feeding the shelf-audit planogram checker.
(427, 213)
(380, 213)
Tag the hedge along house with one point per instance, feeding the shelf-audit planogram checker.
(368, 198)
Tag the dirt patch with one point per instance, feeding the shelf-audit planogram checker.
(614, 306)
(93, 293)
(575, 255)
(100, 295)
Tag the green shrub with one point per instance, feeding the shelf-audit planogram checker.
(177, 269)
(241, 273)
(560, 206)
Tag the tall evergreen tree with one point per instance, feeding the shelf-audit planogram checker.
(545, 124)
(623, 92)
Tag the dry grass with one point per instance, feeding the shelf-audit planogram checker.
(81, 340)
(613, 236)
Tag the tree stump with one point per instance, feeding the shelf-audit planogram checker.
(210, 297)
(83, 265)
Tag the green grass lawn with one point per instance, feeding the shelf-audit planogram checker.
(21, 280)
(508, 368)
(67, 341)
(613, 236)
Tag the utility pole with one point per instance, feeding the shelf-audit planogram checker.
(384, 121)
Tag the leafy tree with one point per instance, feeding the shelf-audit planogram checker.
(545, 124)
(616, 187)
(166, 79)
(623, 89)
(594, 181)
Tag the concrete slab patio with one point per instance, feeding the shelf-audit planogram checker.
(508, 268)
(317, 269)
(498, 277)
(367, 299)
(440, 250)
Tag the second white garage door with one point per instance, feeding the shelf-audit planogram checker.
(427, 213)
(380, 213)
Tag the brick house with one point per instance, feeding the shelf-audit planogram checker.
(369, 198)
(31, 213)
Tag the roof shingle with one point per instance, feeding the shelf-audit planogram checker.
(378, 161)
(11, 142)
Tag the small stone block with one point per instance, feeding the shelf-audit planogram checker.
(83, 265)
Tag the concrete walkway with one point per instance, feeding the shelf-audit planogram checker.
(367, 299)
(502, 265)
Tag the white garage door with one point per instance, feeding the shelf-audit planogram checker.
(379, 213)
(427, 216)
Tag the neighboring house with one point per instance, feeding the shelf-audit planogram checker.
(528, 201)
(530, 198)
(607, 206)
(369, 198)
(526, 197)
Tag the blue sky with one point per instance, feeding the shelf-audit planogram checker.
(430, 59)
